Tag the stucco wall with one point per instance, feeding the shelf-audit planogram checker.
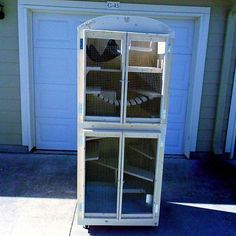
(10, 128)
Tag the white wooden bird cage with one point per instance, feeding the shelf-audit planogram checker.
(123, 86)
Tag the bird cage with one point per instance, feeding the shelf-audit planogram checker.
(123, 86)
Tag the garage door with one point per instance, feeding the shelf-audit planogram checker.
(55, 65)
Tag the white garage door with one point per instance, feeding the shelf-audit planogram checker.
(54, 44)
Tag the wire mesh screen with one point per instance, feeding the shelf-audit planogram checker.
(103, 53)
(144, 95)
(103, 93)
(139, 175)
(102, 156)
(146, 54)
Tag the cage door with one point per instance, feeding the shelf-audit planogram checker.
(104, 69)
(145, 62)
(102, 163)
(140, 152)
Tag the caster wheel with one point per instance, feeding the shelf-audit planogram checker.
(86, 226)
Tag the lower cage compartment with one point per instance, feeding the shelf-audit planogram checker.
(101, 198)
(121, 178)
(115, 180)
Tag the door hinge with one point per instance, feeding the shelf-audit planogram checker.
(169, 48)
(161, 144)
(80, 109)
(164, 114)
(81, 44)
(80, 142)
(156, 208)
(80, 206)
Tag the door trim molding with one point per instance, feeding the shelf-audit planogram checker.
(231, 130)
(224, 81)
(200, 15)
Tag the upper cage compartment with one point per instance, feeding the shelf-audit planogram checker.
(123, 69)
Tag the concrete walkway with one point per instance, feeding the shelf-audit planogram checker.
(38, 198)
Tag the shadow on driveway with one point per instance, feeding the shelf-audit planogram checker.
(198, 196)
(38, 175)
(198, 199)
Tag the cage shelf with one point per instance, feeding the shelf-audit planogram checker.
(140, 49)
(92, 150)
(144, 69)
(93, 90)
(97, 68)
(132, 189)
(93, 138)
(130, 170)
(146, 153)
(150, 94)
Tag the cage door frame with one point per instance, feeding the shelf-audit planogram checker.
(81, 170)
(157, 176)
(145, 37)
(82, 43)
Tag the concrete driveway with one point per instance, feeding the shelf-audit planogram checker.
(38, 198)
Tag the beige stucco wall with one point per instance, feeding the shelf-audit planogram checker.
(10, 123)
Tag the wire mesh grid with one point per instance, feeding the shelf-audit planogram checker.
(103, 93)
(103, 53)
(144, 95)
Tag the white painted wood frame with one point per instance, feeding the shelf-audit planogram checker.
(148, 219)
(81, 168)
(83, 73)
(201, 16)
(231, 131)
(165, 73)
(153, 123)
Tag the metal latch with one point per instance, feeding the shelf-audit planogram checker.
(81, 43)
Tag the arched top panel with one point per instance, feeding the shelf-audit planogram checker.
(135, 24)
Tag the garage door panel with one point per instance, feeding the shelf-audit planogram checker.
(177, 106)
(180, 71)
(183, 30)
(174, 140)
(55, 101)
(54, 31)
(55, 66)
(55, 63)
(55, 133)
